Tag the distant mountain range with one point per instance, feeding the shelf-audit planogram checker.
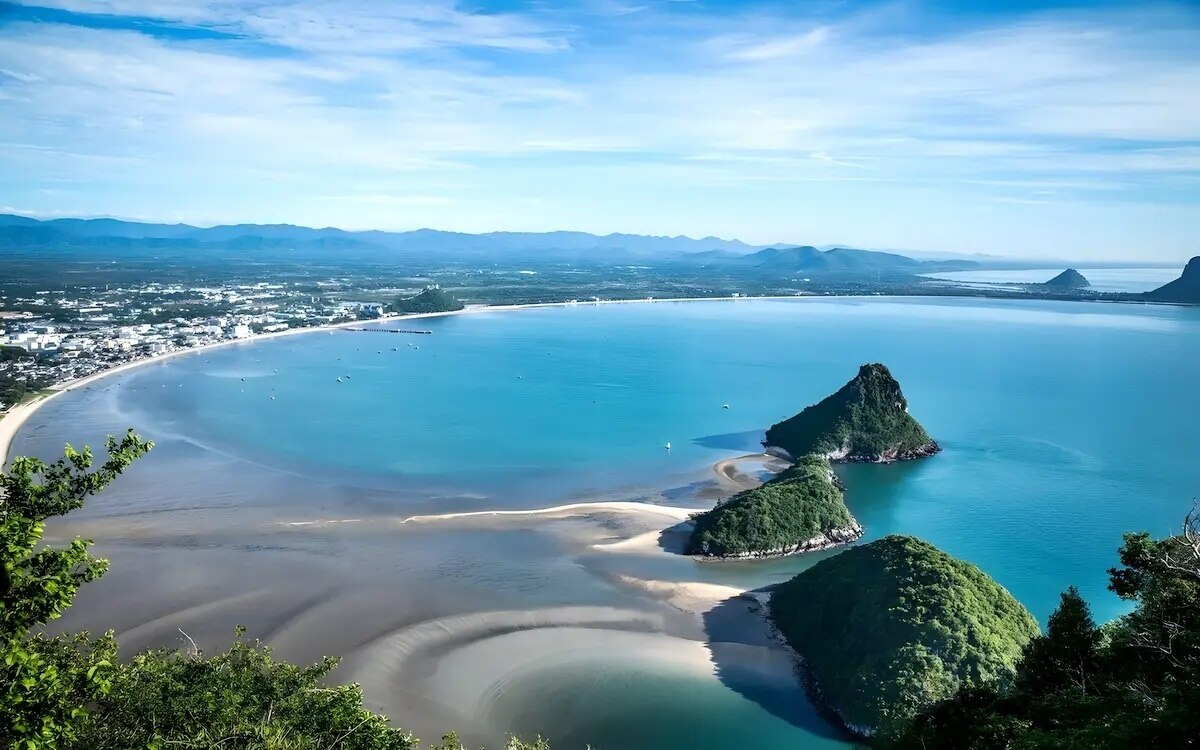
(24, 232)
(838, 260)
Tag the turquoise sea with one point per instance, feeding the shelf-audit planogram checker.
(276, 494)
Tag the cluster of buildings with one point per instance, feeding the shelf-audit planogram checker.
(79, 335)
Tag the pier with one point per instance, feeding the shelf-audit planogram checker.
(391, 330)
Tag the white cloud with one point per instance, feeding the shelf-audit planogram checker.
(342, 26)
(778, 47)
(325, 97)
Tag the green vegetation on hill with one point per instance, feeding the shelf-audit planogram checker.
(1131, 684)
(803, 508)
(72, 693)
(866, 420)
(801, 505)
(432, 299)
(891, 628)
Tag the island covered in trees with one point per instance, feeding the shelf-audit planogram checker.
(803, 508)
(866, 420)
(893, 627)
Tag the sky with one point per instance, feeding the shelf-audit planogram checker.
(1008, 127)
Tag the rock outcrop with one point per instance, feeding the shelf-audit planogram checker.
(1185, 289)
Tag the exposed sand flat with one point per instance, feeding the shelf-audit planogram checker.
(735, 472)
(472, 669)
(570, 509)
(696, 597)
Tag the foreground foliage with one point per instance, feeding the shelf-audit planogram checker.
(72, 693)
(893, 627)
(865, 420)
(1131, 684)
(801, 504)
(41, 694)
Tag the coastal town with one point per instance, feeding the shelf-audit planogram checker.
(53, 337)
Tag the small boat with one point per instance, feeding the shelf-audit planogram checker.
(339, 380)
(668, 446)
(724, 406)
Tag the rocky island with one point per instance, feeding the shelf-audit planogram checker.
(866, 420)
(887, 630)
(803, 508)
(800, 510)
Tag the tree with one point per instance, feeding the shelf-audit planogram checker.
(72, 693)
(1130, 684)
(40, 690)
(241, 699)
(1067, 656)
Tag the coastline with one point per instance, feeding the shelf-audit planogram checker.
(13, 419)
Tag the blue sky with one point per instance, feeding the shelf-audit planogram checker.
(1032, 129)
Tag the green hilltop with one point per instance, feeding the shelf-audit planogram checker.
(866, 420)
(798, 511)
(432, 299)
(803, 509)
(889, 629)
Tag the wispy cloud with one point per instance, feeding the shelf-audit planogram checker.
(605, 115)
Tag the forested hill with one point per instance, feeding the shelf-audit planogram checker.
(867, 419)
(892, 627)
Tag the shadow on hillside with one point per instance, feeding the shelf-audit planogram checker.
(751, 662)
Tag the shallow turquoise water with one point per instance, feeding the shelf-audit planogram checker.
(1064, 425)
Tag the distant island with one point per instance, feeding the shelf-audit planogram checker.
(432, 299)
(1185, 289)
(1068, 279)
(889, 629)
(803, 508)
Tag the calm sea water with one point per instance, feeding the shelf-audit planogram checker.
(1101, 279)
(1064, 425)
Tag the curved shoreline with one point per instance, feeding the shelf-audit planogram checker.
(13, 419)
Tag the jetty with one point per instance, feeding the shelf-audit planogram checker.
(391, 330)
